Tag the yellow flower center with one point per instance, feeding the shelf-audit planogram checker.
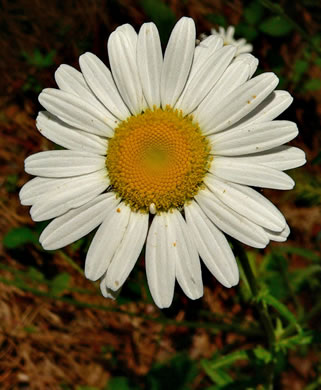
(157, 160)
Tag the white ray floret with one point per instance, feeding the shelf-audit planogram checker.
(228, 37)
(69, 137)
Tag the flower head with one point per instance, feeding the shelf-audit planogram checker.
(228, 39)
(161, 151)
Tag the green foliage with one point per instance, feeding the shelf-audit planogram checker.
(18, 237)
(38, 59)
(217, 19)
(34, 275)
(246, 31)
(276, 26)
(11, 183)
(308, 188)
(227, 360)
(268, 299)
(300, 339)
(262, 354)
(253, 13)
(119, 383)
(59, 284)
(312, 85)
(175, 374)
(86, 388)
(306, 253)
(161, 14)
(30, 329)
(300, 67)
(31, 84)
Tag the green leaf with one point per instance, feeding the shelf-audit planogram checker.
(302, 275)
(262, 354)
(227, 360)
(276, 26)
(118, 383)
(20, 236)
(317, 61)
(11, 183)
(279, 306)
(308, 254)
(245, 31)
(161, 14)
(300, 67)
(59, 283)
(303, 338)
(38, 59)
(312, 85)
(317, 159)
(86, 388)
(253, 12)
(34, 275)
(218, 376)
(30, 329)
(217, 19)
(175, 374)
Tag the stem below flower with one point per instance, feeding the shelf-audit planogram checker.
(265, 318)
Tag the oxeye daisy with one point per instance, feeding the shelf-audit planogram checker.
(161, 151)
(228, 38)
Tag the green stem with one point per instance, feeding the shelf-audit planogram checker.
(264, 316)
(70, 261)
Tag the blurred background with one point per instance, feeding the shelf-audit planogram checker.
(56, 330)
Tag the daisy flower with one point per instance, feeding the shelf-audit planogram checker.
(161, 151)
(228, 38)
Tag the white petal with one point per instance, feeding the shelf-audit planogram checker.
(122, 57)
(238, 103)
(128, 251)
(183, 251)
(249, 59)
(235, 75)
(101, 82)
(76, 223)
(204, 79)
(204, 51)
(177, 61)
(212, 246)
(63, 163)
(231, 222)
(269, 109)
(150, 62)
(245, 172)
(130, 33)
(70, 80)
(37, 187)
(76, 112)
(230, 33)
(160, 266)
(247, 202)
(106, 241)
(107, 292)
(278, 236)
(64, 135)
(253, 138)
(281, 158)
(241, 48)
(69, 194)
